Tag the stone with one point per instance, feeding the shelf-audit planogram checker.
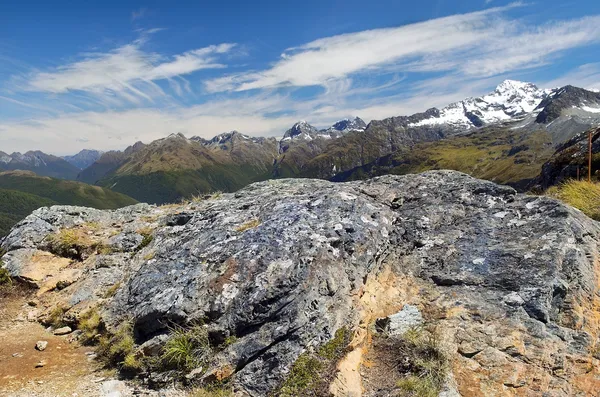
(41, 345)
(40, 364)
(279, 266)
(397, 324)
(62, 331)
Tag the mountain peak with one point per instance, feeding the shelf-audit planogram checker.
(515, 85)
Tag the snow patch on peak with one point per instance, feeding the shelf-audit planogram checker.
(510, 99)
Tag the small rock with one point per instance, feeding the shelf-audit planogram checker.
(40, 364)
(41, 345)
(17, 355)
(397, 324)
(32, 316)
(63, 331)
(513, 299)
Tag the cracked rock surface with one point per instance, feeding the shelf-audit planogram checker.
(511, 280)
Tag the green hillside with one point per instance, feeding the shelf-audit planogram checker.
(15, 205)
(22, 192)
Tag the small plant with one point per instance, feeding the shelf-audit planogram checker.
(110, 292)
(91, 326)
(56, 317)
(422, 363)
(149, 255)
(5, 278)
(114, 349)
(312, 372)
(213, 391)
(248, 225)
(230, 340)
(187, 348)
(147, 238)
(71, 243)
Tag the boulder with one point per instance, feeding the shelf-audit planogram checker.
(275, 269)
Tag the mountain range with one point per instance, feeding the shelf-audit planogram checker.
(506, 136)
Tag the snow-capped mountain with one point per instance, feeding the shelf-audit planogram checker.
(41, 163)
(345, 126)
(509, 100)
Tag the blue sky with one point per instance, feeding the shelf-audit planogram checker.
(103, 75)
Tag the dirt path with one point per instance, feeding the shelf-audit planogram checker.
(68, 370)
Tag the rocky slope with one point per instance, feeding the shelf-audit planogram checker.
(570, 159)
(84, 158)
(278, 270)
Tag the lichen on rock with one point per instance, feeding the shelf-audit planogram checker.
(274, 270)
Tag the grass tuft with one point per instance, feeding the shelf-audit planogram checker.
(91, 326)
(421, 361)
(312, 372)
(5, 279)
(248, 225)
(114, 349)
(582, 195)
(187, 348)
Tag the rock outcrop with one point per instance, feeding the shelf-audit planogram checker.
(509, 281)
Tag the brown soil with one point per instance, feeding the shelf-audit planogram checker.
(68, 368)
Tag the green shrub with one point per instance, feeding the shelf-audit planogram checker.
(212, 391)
(582, 195)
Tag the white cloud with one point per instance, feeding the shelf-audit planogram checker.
(474, 44)
(125, 73)
(585, 76)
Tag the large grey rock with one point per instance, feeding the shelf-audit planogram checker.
(281, 265)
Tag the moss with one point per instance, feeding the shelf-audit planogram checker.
(582, 195)
(110, 292)
(312, 372)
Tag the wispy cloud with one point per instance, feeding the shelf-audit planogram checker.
(126, 73)
(585, 76)
(477, 44)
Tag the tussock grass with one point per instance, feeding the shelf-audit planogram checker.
(187, 348)
(118, 349)
(91, 326)
(582, 195)
(5, 278)
(423, 364)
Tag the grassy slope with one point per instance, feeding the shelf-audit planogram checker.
(15, 205)
(23, 192)
(579, 194)
(500, 155)
(64, 192)
(170, 186)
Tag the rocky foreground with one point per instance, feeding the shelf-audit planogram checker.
(277, 272)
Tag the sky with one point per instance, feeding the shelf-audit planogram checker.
(105, 74)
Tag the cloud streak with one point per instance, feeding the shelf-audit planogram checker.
(126, 73)
(477, 44)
